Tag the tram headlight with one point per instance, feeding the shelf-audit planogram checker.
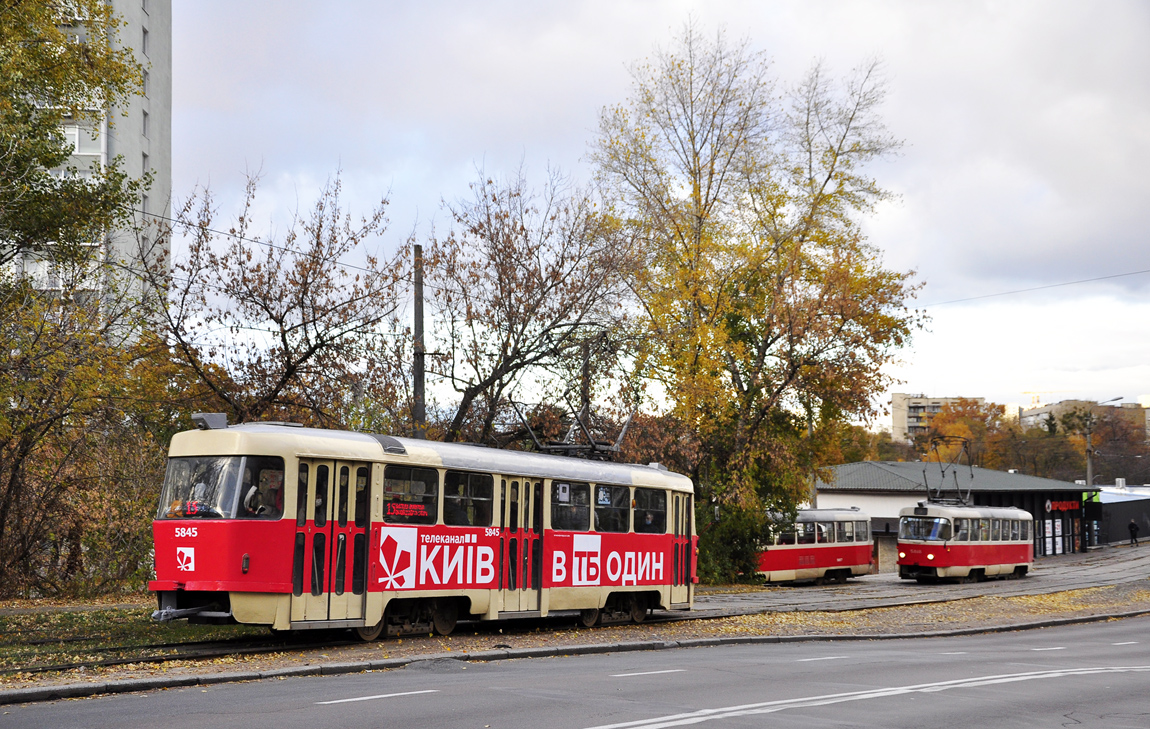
(902, 555)
(930, 556)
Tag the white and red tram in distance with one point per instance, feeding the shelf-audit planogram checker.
(297, 528)
(821, 545)
(938, 540)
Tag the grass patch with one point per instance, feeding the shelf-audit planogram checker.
(30, 640)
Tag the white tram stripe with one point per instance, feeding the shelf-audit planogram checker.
(821, 658)
(647, 673)
(1129, 642)
(770, 707)
(379, 696)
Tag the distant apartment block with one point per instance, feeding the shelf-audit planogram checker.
(1134, 413)
(140, 133)
(910, 414)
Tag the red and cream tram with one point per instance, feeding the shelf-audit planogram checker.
(967, 543)
(822, 544)
(295, 528)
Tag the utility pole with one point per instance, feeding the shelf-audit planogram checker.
(418, 407)
(585, 386)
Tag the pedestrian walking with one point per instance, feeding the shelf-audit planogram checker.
(1133, 527)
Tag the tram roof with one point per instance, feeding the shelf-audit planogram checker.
(932, 508)
(317, 442)
(891, 476)
(805, 515)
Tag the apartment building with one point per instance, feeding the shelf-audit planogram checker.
(910, 414)
(139, 133)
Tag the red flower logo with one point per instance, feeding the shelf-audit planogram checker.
(394, 562)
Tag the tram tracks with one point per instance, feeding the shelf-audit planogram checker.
(126, 637)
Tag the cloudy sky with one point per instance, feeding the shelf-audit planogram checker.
(1026, 129)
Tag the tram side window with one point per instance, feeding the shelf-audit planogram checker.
(806, 531)
(995, 530)
(570, 506)
(467, 498)
(826, 532)
(410, 495)
(650, 511)
(962, 530)
(1024, 529)
(1014, 530)
(844, 531)
(984, 528)
(862, 531)
(612, 506)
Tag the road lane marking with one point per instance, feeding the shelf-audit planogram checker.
(647, 673)
(821, 658)
(378, 696)
(770, 707)
(1059, 648)
(1129, 642)
(954, 653)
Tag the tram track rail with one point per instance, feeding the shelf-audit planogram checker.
(875, 591)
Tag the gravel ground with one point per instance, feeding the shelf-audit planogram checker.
(977, 612)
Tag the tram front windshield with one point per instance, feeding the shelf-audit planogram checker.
(924, 528)
(222, 487)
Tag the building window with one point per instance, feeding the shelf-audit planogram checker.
(146, 83)
(145, 125)
(144, 5)
(144, 204)
(144, 42)
(145, 165)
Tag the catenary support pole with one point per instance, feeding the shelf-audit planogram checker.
(418, 407)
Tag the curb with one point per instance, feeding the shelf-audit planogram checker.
(83, 690)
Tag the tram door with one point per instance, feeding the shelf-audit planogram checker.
(522, 538)
(681, 561)
(329, 569)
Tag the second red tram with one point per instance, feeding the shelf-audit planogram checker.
(822, 544)
(298, 528)
(964, 543)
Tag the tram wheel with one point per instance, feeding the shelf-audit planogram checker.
(841, 577)
(367, 634)
(590, 617)
(638, 608)
(444, 614)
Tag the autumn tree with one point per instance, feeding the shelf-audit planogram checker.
(63, 381)
(979, 423)
(768, 313)
(1036, 451)
(522, 280)
(299, 326)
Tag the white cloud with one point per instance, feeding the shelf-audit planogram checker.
(1027, 129)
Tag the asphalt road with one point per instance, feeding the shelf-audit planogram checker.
(1111, 566)
(1085, 676)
